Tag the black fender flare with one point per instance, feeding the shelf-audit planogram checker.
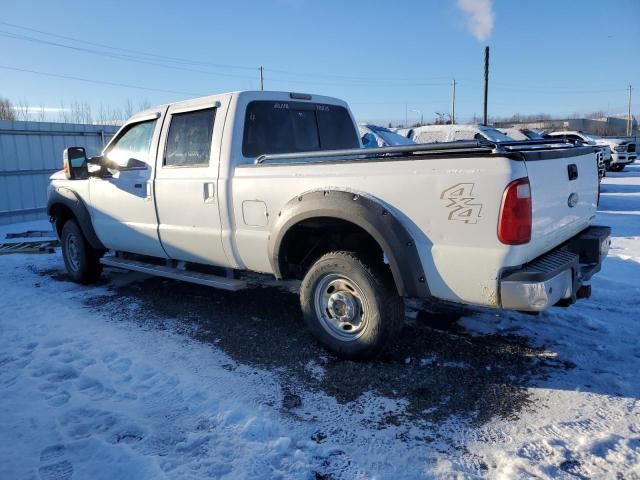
(71, 200)
(368, 214)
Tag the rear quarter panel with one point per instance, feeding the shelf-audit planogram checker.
(450, 206)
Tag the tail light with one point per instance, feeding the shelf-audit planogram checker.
(514, 223)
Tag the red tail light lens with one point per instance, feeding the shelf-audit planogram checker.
(514, 224)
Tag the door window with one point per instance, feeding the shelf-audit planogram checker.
(132, 148)
(189, 139)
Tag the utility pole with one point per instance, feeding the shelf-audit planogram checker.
(486, 83)
(453, 102)
(629, 120)
(261, 78)
(421, 116)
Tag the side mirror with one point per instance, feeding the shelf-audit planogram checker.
(75, 163)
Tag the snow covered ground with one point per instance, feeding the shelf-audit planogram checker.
(148, 378)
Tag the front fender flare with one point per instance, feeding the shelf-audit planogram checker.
(71, 200)
(370, 215)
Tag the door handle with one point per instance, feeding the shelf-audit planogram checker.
(209, 192)
(149, 190)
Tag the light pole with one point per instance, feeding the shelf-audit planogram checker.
(629, 118)
(453, 101)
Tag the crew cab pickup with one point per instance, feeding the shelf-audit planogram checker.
(622, 150)
(224, 189)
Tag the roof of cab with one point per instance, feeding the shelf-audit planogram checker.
(249, 95)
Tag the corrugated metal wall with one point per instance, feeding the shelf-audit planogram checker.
(29, 153)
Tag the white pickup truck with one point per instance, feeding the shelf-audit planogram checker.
(208, 190)
(622, 150)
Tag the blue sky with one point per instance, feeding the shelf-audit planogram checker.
(385, 58)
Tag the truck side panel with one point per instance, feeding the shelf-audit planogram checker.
(451, 212)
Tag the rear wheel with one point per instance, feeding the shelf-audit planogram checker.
(81, 260)
(350, 304)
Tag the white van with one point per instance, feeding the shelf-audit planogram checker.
(452, 133)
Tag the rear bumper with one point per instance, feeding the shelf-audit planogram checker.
(557, 277)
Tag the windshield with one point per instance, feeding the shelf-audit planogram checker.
(390, 138)
(532, 134)
(494, 135)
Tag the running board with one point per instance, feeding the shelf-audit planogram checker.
(216, 281)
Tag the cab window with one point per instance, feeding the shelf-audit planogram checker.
(287, 127)
(132, 148)
(189, 139)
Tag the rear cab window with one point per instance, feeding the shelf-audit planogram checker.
(288, 127)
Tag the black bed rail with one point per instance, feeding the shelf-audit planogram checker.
(472, 146)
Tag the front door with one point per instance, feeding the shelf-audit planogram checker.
(122, 209)
(186, 182)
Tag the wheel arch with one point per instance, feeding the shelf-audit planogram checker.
(363, 212)
(65, 204)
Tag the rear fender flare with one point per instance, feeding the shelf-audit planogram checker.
(367, 213)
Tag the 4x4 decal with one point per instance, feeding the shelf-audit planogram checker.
(461, 206)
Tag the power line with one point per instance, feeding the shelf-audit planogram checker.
(154, 59)
(552, 89)
(102, 82)
(125, 57)
(372, 83)
(355, 78)
(138, 52)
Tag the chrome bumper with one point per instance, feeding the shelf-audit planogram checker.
(557, 276)
(536, 296)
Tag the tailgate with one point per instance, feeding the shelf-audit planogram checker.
(564, 193)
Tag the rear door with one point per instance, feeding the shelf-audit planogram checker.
(186, 187)
(564, 193)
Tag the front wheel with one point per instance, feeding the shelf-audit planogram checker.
(82, 262)
(351, 305)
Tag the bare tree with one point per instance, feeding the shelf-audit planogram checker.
(596, 115)
(22, 110)
(144, 104)
(128, 108)
(42, 114)
(442, 118)
(64, 114)
(6, 110)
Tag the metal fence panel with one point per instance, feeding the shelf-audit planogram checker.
(29, 153)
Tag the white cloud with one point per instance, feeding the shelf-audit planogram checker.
(31, 110)
(480, 17)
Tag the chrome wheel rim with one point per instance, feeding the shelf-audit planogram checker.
(340, 307)
(73, 252)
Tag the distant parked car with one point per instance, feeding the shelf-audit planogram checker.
(623, 151)
(523, 133)
(376, 136)
(453, 133)
(603, 152)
